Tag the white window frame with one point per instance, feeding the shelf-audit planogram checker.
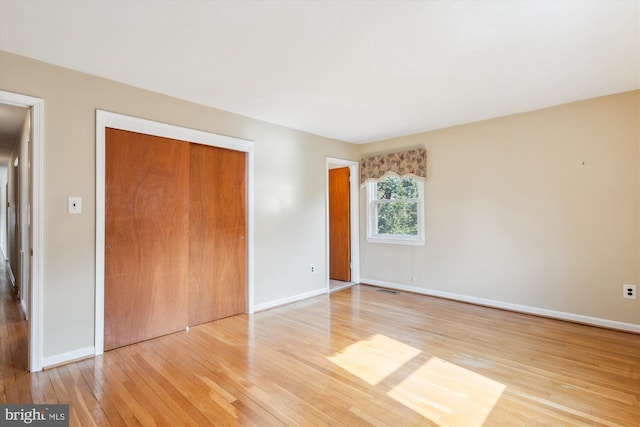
(372, 220)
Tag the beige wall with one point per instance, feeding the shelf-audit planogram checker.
(289, 190)
(20, 201)
(17, 196)
(539, 209)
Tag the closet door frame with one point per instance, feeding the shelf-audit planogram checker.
(105, 119)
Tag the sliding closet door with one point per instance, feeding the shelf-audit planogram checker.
(146, 224)
(217, 270)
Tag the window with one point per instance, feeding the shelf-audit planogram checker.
(395, 211)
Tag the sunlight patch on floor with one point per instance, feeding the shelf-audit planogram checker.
(374, 359)
(448, 394)
(438, 390)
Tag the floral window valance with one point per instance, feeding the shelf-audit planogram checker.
(411, 162)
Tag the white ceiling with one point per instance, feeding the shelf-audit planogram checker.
(357, 71)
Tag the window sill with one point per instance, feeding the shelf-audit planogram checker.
(396, 241)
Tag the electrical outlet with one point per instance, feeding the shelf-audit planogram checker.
(74, 205)
(312, 268)
(629, 291)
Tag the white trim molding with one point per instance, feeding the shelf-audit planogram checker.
(35, 303)
(70, 356)
(106, 119)
(288, 300)
(543, 312)
(354, 209)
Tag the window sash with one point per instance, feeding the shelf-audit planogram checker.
(372, 217)
(414, 200)
(375, 208)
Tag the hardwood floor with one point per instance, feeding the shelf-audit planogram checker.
(336, 285)
(357, 357)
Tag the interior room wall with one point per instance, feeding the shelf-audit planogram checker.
(17, 209)
(3, 211)
(22, 152)
(539, 209)
(289, 190)
(12, 237)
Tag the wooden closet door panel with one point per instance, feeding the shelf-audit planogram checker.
(339, 225)
(217, 239)
(146, 224)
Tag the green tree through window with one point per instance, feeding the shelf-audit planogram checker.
(397, 206)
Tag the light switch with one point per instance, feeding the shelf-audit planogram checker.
(75, 205)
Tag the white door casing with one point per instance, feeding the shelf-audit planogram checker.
(35, 297)
(106, 119)
(354, 208)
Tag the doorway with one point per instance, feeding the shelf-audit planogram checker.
(339, 225)
(31, 184)
(105, 120)
(342, 224)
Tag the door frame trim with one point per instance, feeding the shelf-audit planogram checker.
(106, 119)
(36, 294)
(354, 212)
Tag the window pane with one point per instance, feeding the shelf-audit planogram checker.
(399, 218)
(395, 188)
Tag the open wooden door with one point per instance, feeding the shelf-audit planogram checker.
(339, 225)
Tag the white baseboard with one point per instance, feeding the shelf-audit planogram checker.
(12, 278)
(579, 318)
(67, 357)
(23, 304)
(275, 303)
